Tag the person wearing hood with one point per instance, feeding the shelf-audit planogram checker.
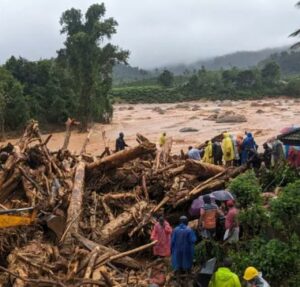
(235, 149)
(182, 247)
(224, 277)
(248, 145)
(228, 149)
(208, 153)
(120, 142)
(254, 278)
(162, 139)
(162, 233)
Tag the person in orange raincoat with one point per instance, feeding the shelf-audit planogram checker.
(228, 150)
(162, 233)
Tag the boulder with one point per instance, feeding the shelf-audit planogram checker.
(230, 117)
(225, 104)
(188, 130)
(158, 110)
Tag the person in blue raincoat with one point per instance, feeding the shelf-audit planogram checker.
(182, 247)
(248, 145)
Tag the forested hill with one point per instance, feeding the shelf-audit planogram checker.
(240, 60)
(288, 61)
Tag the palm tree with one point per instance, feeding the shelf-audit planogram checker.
(297, 32)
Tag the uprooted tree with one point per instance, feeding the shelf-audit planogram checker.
(90, 63)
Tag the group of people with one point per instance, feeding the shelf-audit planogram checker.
(237, 150)
(232, 150)
(179, 244)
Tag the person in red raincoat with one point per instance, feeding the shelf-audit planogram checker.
(162, 233)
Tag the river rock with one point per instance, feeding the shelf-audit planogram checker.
(188, 130)
(230, 117)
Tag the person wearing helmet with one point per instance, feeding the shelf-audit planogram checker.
(224, 277)
(231, 223)
(182, 247)
(254, 278)
(120, 142)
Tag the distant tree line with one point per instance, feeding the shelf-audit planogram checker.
(75, 84)
(234, 84)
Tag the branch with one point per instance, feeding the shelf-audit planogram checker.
(37, 281)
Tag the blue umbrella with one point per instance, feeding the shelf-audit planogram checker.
(222, 195)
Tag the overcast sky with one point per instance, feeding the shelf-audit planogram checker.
(157, 32)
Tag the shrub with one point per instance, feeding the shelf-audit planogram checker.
(247, 190)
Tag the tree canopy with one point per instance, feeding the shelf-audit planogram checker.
(90, 61)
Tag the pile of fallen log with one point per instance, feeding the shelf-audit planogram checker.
(101, 209)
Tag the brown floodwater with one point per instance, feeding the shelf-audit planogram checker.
(265, 119)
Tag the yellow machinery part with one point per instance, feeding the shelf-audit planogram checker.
(7, 220)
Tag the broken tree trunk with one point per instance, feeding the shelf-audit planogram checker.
(86, 141)
(125, 261)
(112, 230)
(69, 123)
(213, 183)
(75, 205)
(127, 253)
(119, 158)
(204, 170)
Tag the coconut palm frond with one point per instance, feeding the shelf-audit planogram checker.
(295, 46)
(295, 34)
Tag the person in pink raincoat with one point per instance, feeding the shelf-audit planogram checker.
(162, 233)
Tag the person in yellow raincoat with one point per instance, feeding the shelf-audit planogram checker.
(162, 139)
(208, 153)
(228, 150)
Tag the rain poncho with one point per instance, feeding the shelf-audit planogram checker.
(163, 235)
(248, 144)
(208, 153)
(259, 281)
(235, 147)
(162, 140)
(278, 152)
(223, 277)
(227, 147)
(182, 247)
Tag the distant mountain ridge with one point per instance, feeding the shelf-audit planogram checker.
(240, 59)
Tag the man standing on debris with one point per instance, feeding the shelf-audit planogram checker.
(182, 247)
(248, 145)
(228, 151)
(120, 142)
(194, 153)
(224, 277)
(162, 233)
(267, 155)
(162, 139)
(231, 223)
(217, 153)
(208, 153)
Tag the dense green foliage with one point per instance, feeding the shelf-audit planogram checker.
(271, 236)
(166, 79)
(89, 63)
(214, 85)
(75, 84)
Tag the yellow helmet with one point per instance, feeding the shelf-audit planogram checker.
(250, 273)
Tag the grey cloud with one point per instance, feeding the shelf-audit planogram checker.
(157, 32)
